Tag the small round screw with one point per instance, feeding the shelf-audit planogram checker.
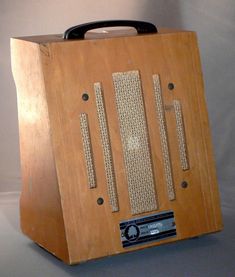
(184, 184)
(85, 97)
(100, 201)
(171, 86)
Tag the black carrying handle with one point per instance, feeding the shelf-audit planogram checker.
(79, 31)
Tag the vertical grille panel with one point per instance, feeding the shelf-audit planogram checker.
(108, 161)
(181, 135)
(87, 150)
(163, 136)
(134, 136)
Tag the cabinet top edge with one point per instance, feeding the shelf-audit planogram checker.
(53, 38)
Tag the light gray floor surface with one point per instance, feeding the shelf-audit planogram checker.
(211, 255)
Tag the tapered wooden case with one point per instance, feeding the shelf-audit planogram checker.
(113, 130)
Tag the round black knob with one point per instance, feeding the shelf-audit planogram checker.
(184, 184)
(171, 86)
(85, 97)
(100, 201)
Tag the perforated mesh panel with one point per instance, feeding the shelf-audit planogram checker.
(181, 135)
(134, 136)
(163, 136)
(108, 162)
(87, 150)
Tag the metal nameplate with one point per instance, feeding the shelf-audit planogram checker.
(148, 228)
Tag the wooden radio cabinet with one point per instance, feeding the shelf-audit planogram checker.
(115, 144)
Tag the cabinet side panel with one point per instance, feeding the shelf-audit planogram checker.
(208, 173)
(40, 203)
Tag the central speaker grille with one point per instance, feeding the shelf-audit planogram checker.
(134, 136)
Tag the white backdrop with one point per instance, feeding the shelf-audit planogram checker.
(214, 21)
